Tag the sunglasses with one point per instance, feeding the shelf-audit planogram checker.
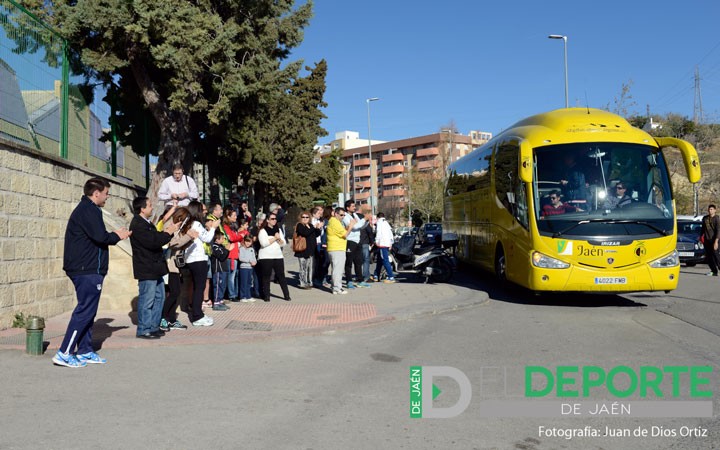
(272, 218)
(305, 217)
(554, 198)
(620, 187)
(342, 215)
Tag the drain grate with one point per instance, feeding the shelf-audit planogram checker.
(328, 317)
(248, 326)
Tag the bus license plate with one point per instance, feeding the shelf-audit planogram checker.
(688, 254)
(610, 280)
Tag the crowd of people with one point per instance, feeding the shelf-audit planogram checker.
(217, 253)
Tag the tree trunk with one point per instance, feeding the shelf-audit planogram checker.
(173, 125)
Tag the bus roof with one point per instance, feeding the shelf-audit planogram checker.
(576, 125)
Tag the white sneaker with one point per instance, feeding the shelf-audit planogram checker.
(340, 292)
(206, 321)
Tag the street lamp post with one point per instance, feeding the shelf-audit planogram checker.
(564, 39)
(372, 184)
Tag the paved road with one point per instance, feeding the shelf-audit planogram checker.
(348, 388)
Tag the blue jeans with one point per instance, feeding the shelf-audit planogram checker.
(232, 284)
(246, 278)
(150, 305)
(220, 279)
(366, 261)
(79, 330)
(386, 262)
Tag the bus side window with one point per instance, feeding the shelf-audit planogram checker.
(510, 190)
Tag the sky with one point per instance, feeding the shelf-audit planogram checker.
(484, 65)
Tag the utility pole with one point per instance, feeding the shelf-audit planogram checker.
(697, 103)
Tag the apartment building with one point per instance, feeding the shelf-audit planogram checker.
(380, 170)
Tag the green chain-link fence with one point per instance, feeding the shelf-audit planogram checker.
(41, 103)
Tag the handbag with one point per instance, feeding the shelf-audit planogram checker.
(299, 243)
(179, 260)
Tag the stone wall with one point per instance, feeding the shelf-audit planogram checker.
(37, 194)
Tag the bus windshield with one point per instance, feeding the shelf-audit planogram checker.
(602, 189)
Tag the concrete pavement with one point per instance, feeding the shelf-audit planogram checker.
(310, 311)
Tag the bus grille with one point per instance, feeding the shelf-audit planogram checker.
(606, 267)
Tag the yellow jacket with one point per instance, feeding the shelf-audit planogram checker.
(336, 241)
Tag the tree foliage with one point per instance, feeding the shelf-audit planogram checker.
(204, 80)
(622, 103)
(427, 193)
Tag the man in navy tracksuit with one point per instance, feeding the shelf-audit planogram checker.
(85, 261)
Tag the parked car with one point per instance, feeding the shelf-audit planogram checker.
(430, 233)
(689, 247)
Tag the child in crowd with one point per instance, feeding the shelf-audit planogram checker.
(219, 266)
(244, 229)
(247, 262)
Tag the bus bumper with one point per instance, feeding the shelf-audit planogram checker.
(580, 279)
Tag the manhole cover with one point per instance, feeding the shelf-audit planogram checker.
(248, 326)
(329, 317)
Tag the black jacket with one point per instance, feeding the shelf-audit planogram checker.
(147, 246)
(310, 234)
(219, 258)
(87, 241)
(367, 235)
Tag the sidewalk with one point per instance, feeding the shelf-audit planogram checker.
(310, 311)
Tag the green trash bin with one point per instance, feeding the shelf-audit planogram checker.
(34, 335)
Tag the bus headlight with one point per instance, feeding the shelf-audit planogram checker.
(546, 262)
(671, 260)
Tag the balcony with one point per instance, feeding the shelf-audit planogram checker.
(361, 161)
(425, 165)
(393, 157)
(393, 193)
(361, 195)
(362, 184)
(397, 168)
(393, 180)
(432, 151)
(361, 173)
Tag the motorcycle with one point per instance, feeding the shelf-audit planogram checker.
(434, 262)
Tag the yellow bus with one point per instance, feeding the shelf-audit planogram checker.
(574, 199)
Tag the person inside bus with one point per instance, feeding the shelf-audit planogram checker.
(619, 198)
(557, 206)
(572, 181)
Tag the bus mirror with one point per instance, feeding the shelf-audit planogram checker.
(689, 154)
(526, 161)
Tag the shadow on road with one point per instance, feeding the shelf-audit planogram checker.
(103, 330)
(477, 279)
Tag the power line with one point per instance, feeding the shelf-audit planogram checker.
(688, 73)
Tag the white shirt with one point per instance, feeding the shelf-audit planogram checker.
(268, 250)
(315, 221)
(196, 251)
(384, 234)
(186, 185)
